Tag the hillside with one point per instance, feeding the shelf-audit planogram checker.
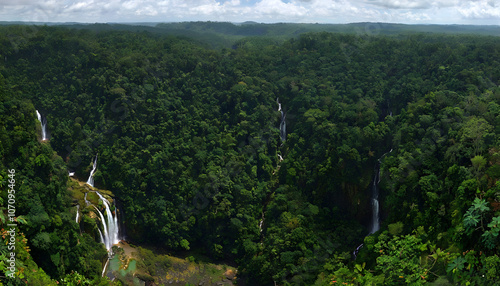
(280, 155)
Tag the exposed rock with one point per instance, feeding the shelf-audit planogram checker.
(230, 274)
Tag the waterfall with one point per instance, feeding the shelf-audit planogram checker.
(110, 225)
(90, 180)
(261, 222)
(282, 123)
(86, 201)
(71, 174)
(100, 233)
(104, 238)
(375, 224)
(105, 267)
(77, 213)
(110, 228)
(355, 252)
(283, 127)
(43, 122)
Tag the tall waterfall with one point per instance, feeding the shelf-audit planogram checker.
(261, 222)
(375, 220)
(90, 180)
(77, 213)
(283, 127)
(375, 224)
(283, 122)
(110, 225)
(43, 122)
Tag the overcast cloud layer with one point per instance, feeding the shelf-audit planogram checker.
(268, 11)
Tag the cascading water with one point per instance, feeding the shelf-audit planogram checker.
(261, 222)
(90, 180)
(375, 220)
(283, 127)
(355, 252)
(283, 122)
(86, 201)
(105, 267)
(280, 159)
(77, 213)
(43, 122)
(104, 238)
(110, 227)
(375, 224)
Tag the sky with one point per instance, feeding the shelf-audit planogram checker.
(477, 12)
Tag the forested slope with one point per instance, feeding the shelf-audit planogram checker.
(189, 143)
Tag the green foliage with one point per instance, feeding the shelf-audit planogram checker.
(75, 279)
(400, 260)
(395, 228)
(491, 266)
(188, 141)
(474, 214)
(184, 244)
(490, 236)
(48, 243)
(151, 263)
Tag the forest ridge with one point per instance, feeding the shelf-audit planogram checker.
(187, 133)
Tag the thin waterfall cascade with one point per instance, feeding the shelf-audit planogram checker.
(375, 223)
(77, 213)
(86, 201)
(100, 234)
(110, 227)
(71, 174)
(283, 127)
(90, 180)
(282, 123)
(43, 122)
(105, 268)
(110, 224)
(104, 235)
(355, 252)
(122, 235)
(261, 222)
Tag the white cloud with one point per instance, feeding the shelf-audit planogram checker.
(401, 4)
(15, 2)
(329, 11)
(481, 9)
(278, 8)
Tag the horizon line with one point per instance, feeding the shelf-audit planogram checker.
(249, 22)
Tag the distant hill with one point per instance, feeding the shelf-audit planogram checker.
(225, 34)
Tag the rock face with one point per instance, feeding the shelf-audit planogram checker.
(230, 274)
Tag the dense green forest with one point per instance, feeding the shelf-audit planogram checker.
(188, 137)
